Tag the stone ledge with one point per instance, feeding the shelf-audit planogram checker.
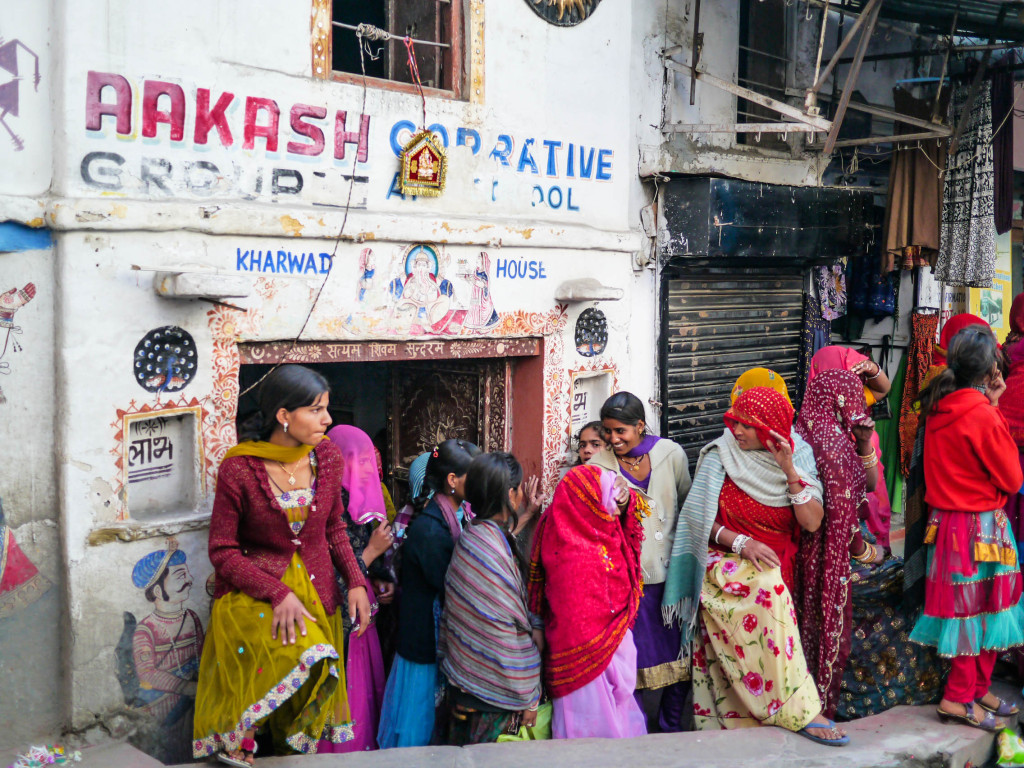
(904, 737)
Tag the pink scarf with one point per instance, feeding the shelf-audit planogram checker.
(360, 477)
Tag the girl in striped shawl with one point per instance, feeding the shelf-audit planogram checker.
(489, 641)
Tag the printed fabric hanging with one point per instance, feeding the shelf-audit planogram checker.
(967, 249)
(832, 289)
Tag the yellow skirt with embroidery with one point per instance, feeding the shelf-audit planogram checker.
(248, 680)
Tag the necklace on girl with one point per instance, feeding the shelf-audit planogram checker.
(634, 465)
(290, 472)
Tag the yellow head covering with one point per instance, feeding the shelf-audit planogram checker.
(760, 377)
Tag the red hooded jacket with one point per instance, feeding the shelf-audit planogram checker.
(971, 462)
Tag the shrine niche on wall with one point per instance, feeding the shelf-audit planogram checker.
(165, 360)
(591, 332)
(564, 13)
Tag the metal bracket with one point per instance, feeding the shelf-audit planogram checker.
(817, 123)
(698, 45)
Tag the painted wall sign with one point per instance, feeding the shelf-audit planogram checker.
(591, 332)
(10, 302)
(524, 269)
(281, 262)
(165, 359)
(564, 13)
(10, 96)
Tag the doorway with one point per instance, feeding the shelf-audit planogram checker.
(408, 407)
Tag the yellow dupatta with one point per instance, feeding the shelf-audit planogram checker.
(261, 449)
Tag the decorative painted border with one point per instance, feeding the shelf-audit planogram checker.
(136, 412)
(380, 351)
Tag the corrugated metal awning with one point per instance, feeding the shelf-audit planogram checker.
(1000, 21)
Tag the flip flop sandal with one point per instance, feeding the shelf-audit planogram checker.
(248, 747)
(988, 723)
(838, 741)
(1005, 708)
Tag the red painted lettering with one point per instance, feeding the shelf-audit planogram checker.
(311, 132)
(253, 106)
(343, 137)
(152, 90)
(207, 118)
(95, 109)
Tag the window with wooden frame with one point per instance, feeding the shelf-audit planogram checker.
(764, 66)
(436, 28)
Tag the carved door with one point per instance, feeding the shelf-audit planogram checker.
(436, 401)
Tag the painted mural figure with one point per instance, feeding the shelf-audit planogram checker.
(167, 643)
(9, 97)
(10, 302)
(424, 301)
(481, 312)
(21, 584)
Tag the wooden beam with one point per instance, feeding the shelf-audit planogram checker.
(740, 128)
(851, 78)
(861, 20)
(696, 44)
(819, 123)
(939, 129)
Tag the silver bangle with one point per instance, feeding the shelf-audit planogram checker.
(739, 542)
(803, 496)
(719, 532)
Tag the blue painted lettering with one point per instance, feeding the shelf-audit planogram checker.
(541, 275)
(325, 263)
(568, 203)
(461, 136)
(526, 159)
(295, 262)
(540, 194)
(522, 269)
(494, 189)
(254, 261)
(572, 162)
(553, 147)
(396, 129)
(551, 197)
(240, 260)
(501, 270)
(587, 164)
(268, 262)
(604, 165)
(282, 261)
(441, 131)
(507, 145)
(310, 265)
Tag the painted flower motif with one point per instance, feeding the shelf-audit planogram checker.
(768, 685)
(714, 556)
(729, 567)
(754, 683)
(763, 596)
(731, 713)
(739, 651)
(735, 588)
(789, 647)
(750, 622)
(774, 706)
(772, 647)
(780, 588)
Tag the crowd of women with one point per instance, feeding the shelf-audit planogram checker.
(764, 592)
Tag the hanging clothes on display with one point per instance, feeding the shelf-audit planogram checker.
(815, 334)
(831, 282)
(1002, 142)
(919, 360)
(967, 249)
(911, 231)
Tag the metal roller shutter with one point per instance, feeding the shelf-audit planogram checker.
(717, 324)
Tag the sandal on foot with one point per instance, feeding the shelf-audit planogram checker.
(835, 741)
(248, 749)
(988, 723)
(1004, 709)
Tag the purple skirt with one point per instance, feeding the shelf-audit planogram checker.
(656, 644)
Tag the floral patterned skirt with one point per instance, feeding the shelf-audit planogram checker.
(748, 664)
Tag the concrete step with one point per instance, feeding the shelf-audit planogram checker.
(111, 755)
(904, 737)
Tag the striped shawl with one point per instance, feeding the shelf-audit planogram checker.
(485, 642)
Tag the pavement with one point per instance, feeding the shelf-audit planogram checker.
(903, 737)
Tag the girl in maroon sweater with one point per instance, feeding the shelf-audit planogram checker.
(973, 579)
(273, 653)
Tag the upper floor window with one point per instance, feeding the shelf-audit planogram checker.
(764, 66)
(436, 30)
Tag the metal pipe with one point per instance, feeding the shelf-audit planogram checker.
(393, 37)
(861, 19)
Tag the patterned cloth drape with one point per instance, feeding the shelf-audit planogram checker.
(815, 334)
(919, 360)
(967, 249)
